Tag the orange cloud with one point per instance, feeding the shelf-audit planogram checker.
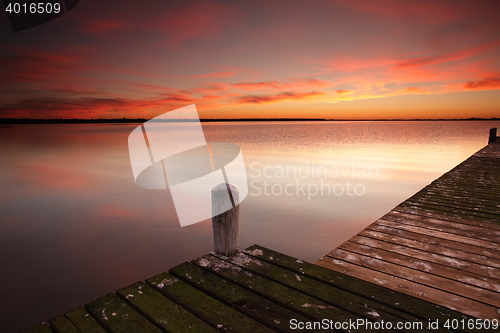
(432, 60)
(484, 84)
(287, 84)
(278, 97)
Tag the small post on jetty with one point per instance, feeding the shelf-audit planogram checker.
(226, 224)
(493, 135)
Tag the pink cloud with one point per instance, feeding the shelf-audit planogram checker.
(220, 74)
(202, 19)
(101, 26)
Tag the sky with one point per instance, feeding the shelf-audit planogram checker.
(364, 59)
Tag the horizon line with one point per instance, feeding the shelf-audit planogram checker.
(5, 121)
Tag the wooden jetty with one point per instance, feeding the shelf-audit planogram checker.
(435, 258)
(441, 245)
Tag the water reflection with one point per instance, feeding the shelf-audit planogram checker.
(75, 225)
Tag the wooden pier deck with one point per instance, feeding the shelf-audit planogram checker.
(434, 258)
(441, 245)
(257, 290)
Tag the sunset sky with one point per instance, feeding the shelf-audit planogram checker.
(361, 59)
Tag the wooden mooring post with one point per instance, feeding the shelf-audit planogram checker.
(226, 224)
(493, 135)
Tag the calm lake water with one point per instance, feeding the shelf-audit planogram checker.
(75, 226)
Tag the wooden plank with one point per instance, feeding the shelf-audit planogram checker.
(424, 266)
(250, 304)
(61, 324)
(454, 206)
(84, 322)
(444, 217)
(454, 302)
(361, 307)
(471, 196)
(466, 193)
(482, 190)
(461, 265)
(401, 238)
(414, 307)
(115, 316)
(420, 277)
(493, 248)
(161, 311)
(454, 211)
(443, 225)
(437, 195)
(451, 246)
(295, 301)
(208, 309)
(39, 328)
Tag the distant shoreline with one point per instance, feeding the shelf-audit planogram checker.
(16, 121)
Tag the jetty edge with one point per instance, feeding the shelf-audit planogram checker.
(447, 234)
(442, 244)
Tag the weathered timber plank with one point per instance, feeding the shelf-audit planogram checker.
(416, 309)
(461, 265)
(39, 328)
(208, 309)
(474, 195)
(424, 266)
(424, 239)
(454, 211)
(478, 211)
(481, 190)
(471, 194)
(84, 322)
(399, 237)
(454, 302)
(442, 196)
(61, 324)
(442, 225)
(250, 304)
(161, 311)
(492, 247)
(490, 151)
(420, 277)
(445, 217)
(303, 304)
(362, 307)
(115, 316)
(457, 230)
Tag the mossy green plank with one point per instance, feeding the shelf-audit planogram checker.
(160, 310)
(296, 301)
(84, 322)
(39, 328)
(391, 299)
(204, 306)
(256, 307)
(116, 316)
(61, 324)
(362, 307)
